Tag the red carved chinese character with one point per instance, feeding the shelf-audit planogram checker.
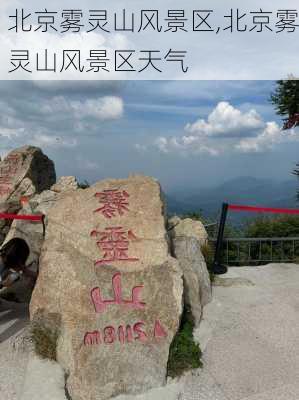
(11, 165)
(113, 201)
(100, 305)
(4, 190)
(4, 180)
(114, 242)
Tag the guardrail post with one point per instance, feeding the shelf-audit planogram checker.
(217, 268)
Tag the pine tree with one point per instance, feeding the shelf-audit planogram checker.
(286, 101)
(285, 98)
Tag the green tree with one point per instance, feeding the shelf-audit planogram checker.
(285, 98)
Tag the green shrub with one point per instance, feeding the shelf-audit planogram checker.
(184, 353)
(45, 331)
(45, 341)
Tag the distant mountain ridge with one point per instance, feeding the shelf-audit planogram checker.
(242, 190)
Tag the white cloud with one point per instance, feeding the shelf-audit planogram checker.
(109, 107)
(271, 136)
(225, 120)
(227, 129)
(183, 145)
(162, 144)
(10, 133)
(102, 108)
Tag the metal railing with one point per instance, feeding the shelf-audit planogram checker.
(246, 251)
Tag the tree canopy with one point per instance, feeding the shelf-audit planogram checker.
(285, 98)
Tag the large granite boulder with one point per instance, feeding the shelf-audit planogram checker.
(32, 232)
(106, 275)
(187, 237)
(23, 172)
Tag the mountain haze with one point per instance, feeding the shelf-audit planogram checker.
(242, 190)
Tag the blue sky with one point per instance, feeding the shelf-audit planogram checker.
(186, 134)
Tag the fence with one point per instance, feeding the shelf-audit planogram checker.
(218, 265)
(258, 251)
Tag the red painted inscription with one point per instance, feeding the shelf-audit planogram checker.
(7, 171)
(114, 243)
(114, 202)
(101, 305)
(122, 334)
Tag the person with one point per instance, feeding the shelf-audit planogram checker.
(13, 257)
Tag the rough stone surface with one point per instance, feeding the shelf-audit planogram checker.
(24, 172)
(32, 232)
(197, 285)
(144, 290)
(188, 228)
(65, 183)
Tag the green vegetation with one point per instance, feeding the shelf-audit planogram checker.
(285, 98)
(265, 227)
(282, 226)
(184, 353)
(44, 340)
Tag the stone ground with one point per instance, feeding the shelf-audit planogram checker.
(13, 360)
(249, 334)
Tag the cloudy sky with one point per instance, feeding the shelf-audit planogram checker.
(186, 134)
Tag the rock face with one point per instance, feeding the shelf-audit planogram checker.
(32, 232)
(186, 241)
(65, 184)
(197, 286)
(24, 172)
(188, 227)
(105, 270)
